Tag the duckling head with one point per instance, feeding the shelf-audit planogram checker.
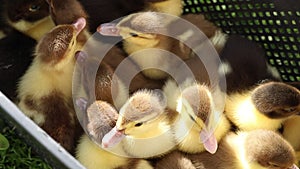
(139, 29)
(58, 46)
(276, 99)
(101, 117)
(269, 150)
(196, 107)
(144, 39)
(141, 117)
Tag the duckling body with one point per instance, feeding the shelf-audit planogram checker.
(94, 157)
(266, 106)
(44, 91)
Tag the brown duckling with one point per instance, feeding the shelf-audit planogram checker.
(45, 91)
(257, 149)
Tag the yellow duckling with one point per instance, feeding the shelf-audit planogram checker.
(144, 35)
(266, 106)
(45, 90)
(101, 118)
(202, 122)
(143, 120)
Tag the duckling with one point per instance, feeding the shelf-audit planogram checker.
(201, 123)
(257, 149)
(44, 92)
(146, 30)
(29, 17)
(101, 118)
(266, 106)
(143, 119)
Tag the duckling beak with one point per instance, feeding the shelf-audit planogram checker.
(294, 167)
(79, 25)
(108, 29)
(112, 138)
(209, 141)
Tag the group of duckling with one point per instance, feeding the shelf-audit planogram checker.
(191, 122)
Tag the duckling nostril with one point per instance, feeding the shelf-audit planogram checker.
(122, 130)
(293, 167)
(108, 29)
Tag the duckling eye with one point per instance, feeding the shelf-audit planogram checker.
(34, 8)
(289, 109)
(133, 34)
(138, 124)
(274, 165)
(192, 117)
(73, 42)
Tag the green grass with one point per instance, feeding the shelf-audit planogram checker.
(18, 154)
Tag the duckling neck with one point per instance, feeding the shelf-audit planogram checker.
(187, 135)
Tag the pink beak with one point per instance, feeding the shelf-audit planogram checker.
(108, 29)
(79, 25)
(112, 138)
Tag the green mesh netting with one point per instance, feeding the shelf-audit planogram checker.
(275, 24)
